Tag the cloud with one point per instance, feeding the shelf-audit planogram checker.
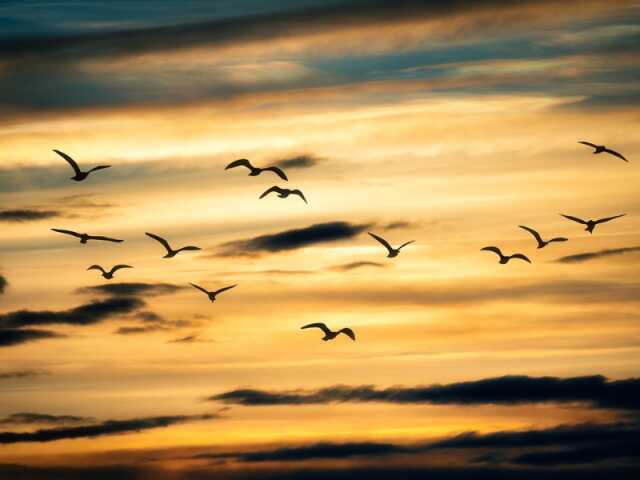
(596, 390)
(187, 339)
(22, 374)
(3, 284)
(26, 215)
(587, 256)
(109, 427)
(300, 161)
(355, 265)
(16, 336)
(622, 449)
(132, 289)
(398, 225)
(293, 239)
(28, 418)
(152, 322)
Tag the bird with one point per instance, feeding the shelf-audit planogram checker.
(255, 171)
(330, 335)
(284, 193)
(542, 243)
(170, 251)
(80, 175)
(591, 224)
(393, 252)
(212, 295)
(85, 237)
(603, 149)
(108, 275)
(505, 258)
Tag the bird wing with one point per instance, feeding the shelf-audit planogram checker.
(106, 239)
(321, 326)
(495, 250)
(67, 232)
(243, 162)
(382, 241)
(119, 267)
(589, 144)
(300, 194)
(521, 256)
(199, 288)
(575, 219)
(405, 244)
(558, 239)
(533, 232)
(189, 247)
(69, 160)
(164, 243)
(278, 171)
(99, 167)
(615, 154)
(349, 333)
(272, 189)
(224, 289)
(96, 267)
(608, 219)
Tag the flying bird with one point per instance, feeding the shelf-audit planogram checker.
(212, 295)
(603, 149)
(85, 237)
(542, 243)
(505, 258)
(284, 193)
(393, 252)
(255, 171)
(170, 251)
(80, 175)
(108, 275)
(330, 335)
(591, 224)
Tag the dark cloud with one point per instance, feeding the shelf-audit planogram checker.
(152, 322)
(293, 239)
(22, 374)
(596, 391)
(132, 289)
(3, 284)
(601, 451)
(187, 339)
(585, 257)
(300, 161)
(29, 418)
(26, 215)
(398, 225)
(355, 265)
(109, 427)
(16, 336)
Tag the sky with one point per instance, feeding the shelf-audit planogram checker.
(447, 123)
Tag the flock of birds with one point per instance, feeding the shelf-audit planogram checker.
(392, 252)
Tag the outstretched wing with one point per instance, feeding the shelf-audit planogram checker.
(67, 232)
(616, 154)
(272, 189)
(382, 241)
(243, 162)
(608, 219)
(495, 250)
(533, 232)
(300, 194)
(119, 267)
(99, 167)
(521, 256)
(69, 160)
(105, 239)
(162, 241)
(558, 239)
(199, 288)
(589, 144)
(575, 219)
(349, 333)
(405, 244)
(321, 326)
(224, 289)
(96, 267)
(278, 171)
(189, 247)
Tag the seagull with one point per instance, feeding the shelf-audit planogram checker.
(591, 224)
(255, 171)
(85, 237)
(542, 243)
(328, 334)
(80, 175)
(393, 252)
(212, 295)
(284, 193)
(602, 148)
(170, 251)
(108, 275)
(504, 258)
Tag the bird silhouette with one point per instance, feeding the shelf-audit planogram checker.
(603, 149)
(80, 175)
(255, 171)
(170, 251)
(591, 224)
(393, 252)
(284, 193)
(108, 275)
(330, 335)
(505, 258)
(212, 295)
(542, 243)
(85, 237)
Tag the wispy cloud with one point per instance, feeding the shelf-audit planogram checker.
(29, 418)
(16, 336)
(132, 289)
(299, 161)
(13, 374)
(345, 267)
(587, 256)
(18, 216)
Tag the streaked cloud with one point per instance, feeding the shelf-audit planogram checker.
(588, 256)
(26, 215)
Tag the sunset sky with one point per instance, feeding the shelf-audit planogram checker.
(448, 123)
